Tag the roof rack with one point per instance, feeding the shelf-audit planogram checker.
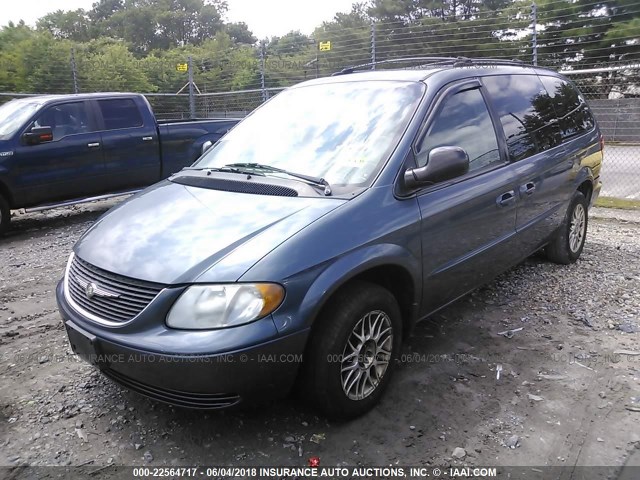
(432, 61)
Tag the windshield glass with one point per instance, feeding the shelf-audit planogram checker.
(14, 114)
(342, 132)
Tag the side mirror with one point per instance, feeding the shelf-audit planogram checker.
(206, 146)
(38, 135)
(443, 163)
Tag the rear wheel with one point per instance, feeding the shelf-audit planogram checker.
(568, 242)
(352, 350)
(5, 215)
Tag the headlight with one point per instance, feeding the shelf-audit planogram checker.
(220, 306)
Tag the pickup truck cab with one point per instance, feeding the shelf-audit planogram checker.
(59, 148)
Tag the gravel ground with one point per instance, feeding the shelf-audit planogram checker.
(565, 396)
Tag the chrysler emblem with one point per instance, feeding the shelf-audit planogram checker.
(90, 290)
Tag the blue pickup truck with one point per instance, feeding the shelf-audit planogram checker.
(56, 150)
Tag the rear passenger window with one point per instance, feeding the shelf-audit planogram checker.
(526, 113)
(574, 116)
(463, 120)
(120, 113)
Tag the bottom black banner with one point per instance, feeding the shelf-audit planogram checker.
(112, 472)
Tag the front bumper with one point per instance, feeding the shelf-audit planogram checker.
(171, 370)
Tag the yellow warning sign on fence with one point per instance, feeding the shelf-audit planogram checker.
(324, 46)
(182, 67)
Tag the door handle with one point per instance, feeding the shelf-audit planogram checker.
(506, 199)
(528, 188)
(93, 145)
(147, 139)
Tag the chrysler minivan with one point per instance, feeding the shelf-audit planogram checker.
(300, 250)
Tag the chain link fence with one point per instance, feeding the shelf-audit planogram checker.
(614, 96)
(234, 80)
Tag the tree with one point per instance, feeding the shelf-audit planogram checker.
(114, 68)
(350, 37)
(71, 25)
(44, 64)
(582, 33)
(291, 43)
(12, 75)
(240, 33)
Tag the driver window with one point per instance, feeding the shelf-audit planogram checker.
(65, 119)
(463, 121)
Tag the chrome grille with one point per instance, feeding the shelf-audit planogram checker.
(108, 297)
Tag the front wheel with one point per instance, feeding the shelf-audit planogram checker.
(352, 350)
(568, 242)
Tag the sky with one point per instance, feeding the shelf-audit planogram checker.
(264, 17)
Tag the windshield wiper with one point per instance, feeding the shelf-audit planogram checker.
(318, 181)
(225, 169)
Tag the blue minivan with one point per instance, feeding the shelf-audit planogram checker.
(301, 249)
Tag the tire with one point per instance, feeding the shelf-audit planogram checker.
(568, 242)
(5, 215)
(357, 308)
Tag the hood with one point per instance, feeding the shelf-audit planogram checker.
(174, 234)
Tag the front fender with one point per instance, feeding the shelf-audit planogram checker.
(338, 273)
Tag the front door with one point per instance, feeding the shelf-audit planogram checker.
(468, 223)
(70, 166)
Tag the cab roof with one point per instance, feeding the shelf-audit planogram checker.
(44, 99)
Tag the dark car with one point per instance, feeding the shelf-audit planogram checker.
(63, 149)
(304, 246)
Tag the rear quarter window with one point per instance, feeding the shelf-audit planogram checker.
(526, 113)
(120, 113)
(574, 116)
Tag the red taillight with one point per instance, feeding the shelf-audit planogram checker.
(602, 142)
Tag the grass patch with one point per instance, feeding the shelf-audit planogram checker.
(622, 203)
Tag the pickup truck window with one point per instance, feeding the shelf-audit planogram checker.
(120, 113)
(65, 119)
(341, 132)
(14, 114)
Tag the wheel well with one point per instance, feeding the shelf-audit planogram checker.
(586, 188)
(4, 191)
(398, 281)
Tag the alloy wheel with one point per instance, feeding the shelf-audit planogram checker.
(366, 355)
(577, 228)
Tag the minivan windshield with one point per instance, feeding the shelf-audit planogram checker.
(340, 132)
(14, 115)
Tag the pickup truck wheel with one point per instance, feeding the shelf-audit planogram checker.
(568, 242)
(5, 215)
(351, 353)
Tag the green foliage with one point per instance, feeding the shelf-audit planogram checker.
(585, 33)
(114, 68)
(136, 45)
(240, 33)
(72, 25)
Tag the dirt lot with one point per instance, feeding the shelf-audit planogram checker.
(564, 397)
